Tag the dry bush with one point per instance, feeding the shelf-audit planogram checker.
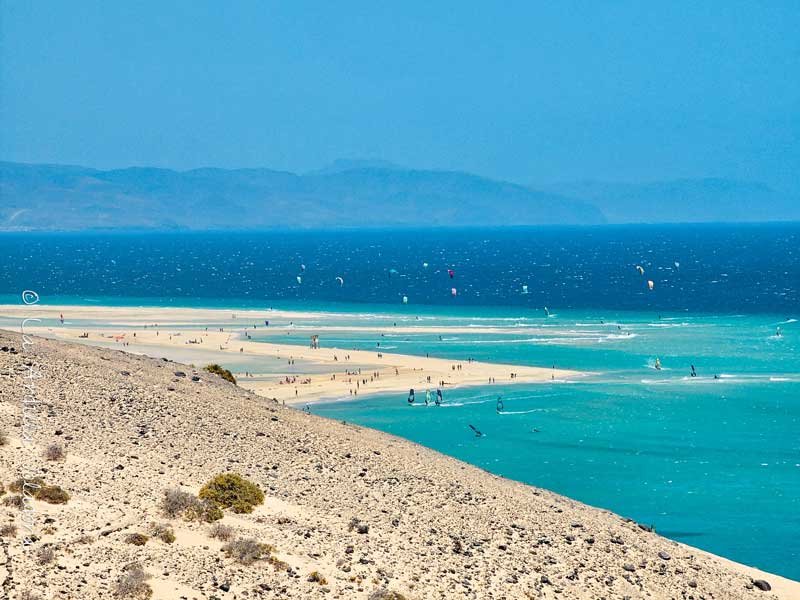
(222, 532)
(55, 452)
(203, 510)
(52, 494)
(162, 532)
(247, 550)
(3, 438)
(45, 555)
(36, 488)
(358, 525)
(178, 503)
(8, 530)
(317, 577)
(84, 539)
(278, 564)
(31, 486)
(14, 501)
(133, 583)
(386, 595)
(137, 539)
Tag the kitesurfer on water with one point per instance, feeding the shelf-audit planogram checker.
(499, 406)
(411, 396)
(477, 433)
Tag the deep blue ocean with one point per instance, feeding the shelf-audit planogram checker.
(720, 269)
(710, 461)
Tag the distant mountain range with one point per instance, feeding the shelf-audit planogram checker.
(351, 194)
(684, 201)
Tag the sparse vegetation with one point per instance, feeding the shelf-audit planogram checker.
(8, 530)
(178, 503)
(386, 595)
(222, 532)
(317, 577)
(358, 525)
(231, 490)
(133, 583)
(52, 494)
(84, 539)
(162, 532)
(247, 550)
(278, 564)
(137, 539)
(36, 488)
(31, 485)
(3, 438)
(2, 488)
(221, 371)
(14, 501)
(55, 452)
(45, 555)
(204, 510)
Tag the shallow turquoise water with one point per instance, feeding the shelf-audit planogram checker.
(711, 462)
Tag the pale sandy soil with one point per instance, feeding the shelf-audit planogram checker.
(133, 426)
(336, 373)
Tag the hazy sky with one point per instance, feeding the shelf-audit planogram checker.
(528, 91)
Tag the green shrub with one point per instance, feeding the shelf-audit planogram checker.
(231, 490)
(221, 371)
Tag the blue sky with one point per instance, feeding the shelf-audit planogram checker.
(527, 91)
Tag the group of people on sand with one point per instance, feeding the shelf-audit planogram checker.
(289, 380)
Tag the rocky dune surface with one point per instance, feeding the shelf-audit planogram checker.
(348, 513)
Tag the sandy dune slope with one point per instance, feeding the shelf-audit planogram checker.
(367, 511)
